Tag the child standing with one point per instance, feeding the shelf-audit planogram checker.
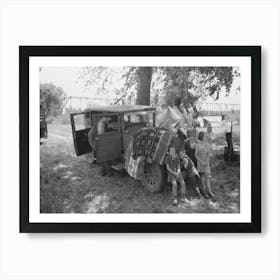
(202, 153)
(174, 175)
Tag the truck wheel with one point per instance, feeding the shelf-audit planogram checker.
(154, 177)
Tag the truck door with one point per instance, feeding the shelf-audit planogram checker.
(108, 146)
(80, 134)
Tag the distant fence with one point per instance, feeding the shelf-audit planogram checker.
(84, 102)
(205, 109)
(217, 109)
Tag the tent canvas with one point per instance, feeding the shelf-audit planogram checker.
(178, 112)
(168, 115)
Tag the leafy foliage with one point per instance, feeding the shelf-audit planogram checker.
(51, 97)
(190, 84)
(193, 83)
(119, 82)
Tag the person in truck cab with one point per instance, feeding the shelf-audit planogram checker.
(101, 128)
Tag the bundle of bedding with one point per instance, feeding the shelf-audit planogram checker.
(152, 143)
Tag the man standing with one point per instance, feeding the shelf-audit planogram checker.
(97, 130)
(102, 125)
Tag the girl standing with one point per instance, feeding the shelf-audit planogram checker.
(202, 154)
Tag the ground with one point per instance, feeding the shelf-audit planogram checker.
(70, 184)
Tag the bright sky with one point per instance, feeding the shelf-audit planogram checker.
(67, 79)
(64, 77)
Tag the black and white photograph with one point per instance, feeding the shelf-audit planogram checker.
(140, 135)
(140, 139)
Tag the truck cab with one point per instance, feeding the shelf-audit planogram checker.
(125, 122)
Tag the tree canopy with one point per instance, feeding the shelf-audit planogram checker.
(159, 86)
(52, 98)
(194, 83)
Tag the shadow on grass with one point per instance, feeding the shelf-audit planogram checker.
(70, 184)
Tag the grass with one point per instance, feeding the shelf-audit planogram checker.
(70, 184)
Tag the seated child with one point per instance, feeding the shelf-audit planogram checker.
(189, 171)
(174, 175)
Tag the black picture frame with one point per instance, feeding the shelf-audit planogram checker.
(25, 52)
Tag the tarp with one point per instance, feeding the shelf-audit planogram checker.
(168, 115)
(176, 110)
(182, 117)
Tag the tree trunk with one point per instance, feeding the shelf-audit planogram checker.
(144, 78)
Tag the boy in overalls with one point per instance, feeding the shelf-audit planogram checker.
(172, 163)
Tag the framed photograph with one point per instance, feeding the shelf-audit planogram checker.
(140, 139)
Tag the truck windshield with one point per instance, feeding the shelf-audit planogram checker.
(141, 117)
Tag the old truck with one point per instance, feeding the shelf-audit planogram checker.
(132, 131)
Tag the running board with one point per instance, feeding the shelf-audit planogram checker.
(118, 166)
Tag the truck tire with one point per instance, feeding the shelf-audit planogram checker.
(154, 177)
